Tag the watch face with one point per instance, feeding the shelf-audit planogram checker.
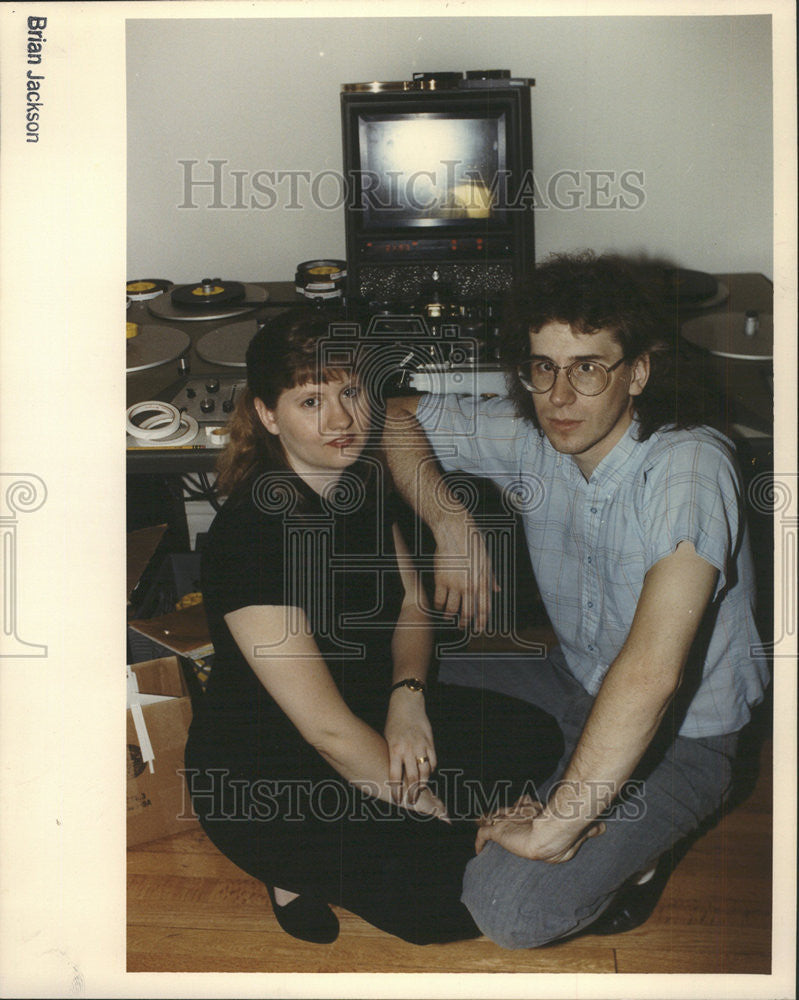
(411, 683)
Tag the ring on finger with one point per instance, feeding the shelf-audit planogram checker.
(423, 760)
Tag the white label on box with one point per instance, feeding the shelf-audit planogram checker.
(144, 739)
(135, 701)
(133, 684)
(149, 699)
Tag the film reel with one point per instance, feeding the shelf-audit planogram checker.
(321, 279)
(142, 289)
(212, 298)
(208, 294)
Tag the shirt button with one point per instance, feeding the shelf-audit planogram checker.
(590, 604)
(589, 559)
(591, 648)
(593, 510)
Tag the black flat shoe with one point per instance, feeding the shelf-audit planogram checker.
(306, 919)
(633, 905)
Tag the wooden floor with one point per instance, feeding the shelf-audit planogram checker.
(192, 910)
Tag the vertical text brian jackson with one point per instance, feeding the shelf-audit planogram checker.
(36, 40)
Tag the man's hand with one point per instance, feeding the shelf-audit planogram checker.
(411, 750)
(527, 829)
(464, 579)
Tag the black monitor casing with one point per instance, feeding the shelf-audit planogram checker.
(394, 251)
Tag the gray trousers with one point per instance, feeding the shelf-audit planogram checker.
(519, 903)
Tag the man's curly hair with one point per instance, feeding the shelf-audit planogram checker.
(608, 292)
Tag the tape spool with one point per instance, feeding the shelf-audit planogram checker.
(218, 437)
(321, 279)
(167, 415)
(185, 433)
(146, 288)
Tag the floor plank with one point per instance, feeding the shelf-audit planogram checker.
(192, 910)
(269, 950)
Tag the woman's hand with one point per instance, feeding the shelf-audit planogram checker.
(430, 805)
(411, 750)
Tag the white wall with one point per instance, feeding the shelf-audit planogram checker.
(684, 100)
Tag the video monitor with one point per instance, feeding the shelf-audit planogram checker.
(432, 169)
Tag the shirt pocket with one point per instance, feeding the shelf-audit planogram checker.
(621, 578)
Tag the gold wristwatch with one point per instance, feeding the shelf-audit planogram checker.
(412, 683)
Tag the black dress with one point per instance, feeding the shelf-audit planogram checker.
(265, 797)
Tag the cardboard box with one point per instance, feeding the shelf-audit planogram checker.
(158, 804)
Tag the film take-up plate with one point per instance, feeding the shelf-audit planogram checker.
(151, 345)
(725, 335)
(227, 345)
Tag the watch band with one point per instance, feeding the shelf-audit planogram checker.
(412, 683)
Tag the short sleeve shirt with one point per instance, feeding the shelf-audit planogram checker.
(592, 542)
(278, 543)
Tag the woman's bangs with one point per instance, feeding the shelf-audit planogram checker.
(311, 374)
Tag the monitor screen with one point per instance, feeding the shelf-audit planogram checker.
(432, 169)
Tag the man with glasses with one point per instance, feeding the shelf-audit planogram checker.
(633, 517)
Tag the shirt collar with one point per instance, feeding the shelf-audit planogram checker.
(611, 470)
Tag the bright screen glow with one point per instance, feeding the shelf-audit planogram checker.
(430, 169)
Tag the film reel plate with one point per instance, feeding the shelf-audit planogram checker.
(152, 345)
(227, 345)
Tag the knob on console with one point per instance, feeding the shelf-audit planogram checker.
(212, 385)
(207, 405)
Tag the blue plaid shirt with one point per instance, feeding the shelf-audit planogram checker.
(591, 543)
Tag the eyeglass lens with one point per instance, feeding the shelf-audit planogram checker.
(586, 377)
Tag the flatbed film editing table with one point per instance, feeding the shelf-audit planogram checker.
(155, 474)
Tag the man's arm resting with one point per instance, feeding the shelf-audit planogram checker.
(628, 710)
(463, 577)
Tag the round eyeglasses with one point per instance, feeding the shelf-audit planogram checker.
(589, 378)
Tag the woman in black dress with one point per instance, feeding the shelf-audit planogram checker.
(320, 759)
